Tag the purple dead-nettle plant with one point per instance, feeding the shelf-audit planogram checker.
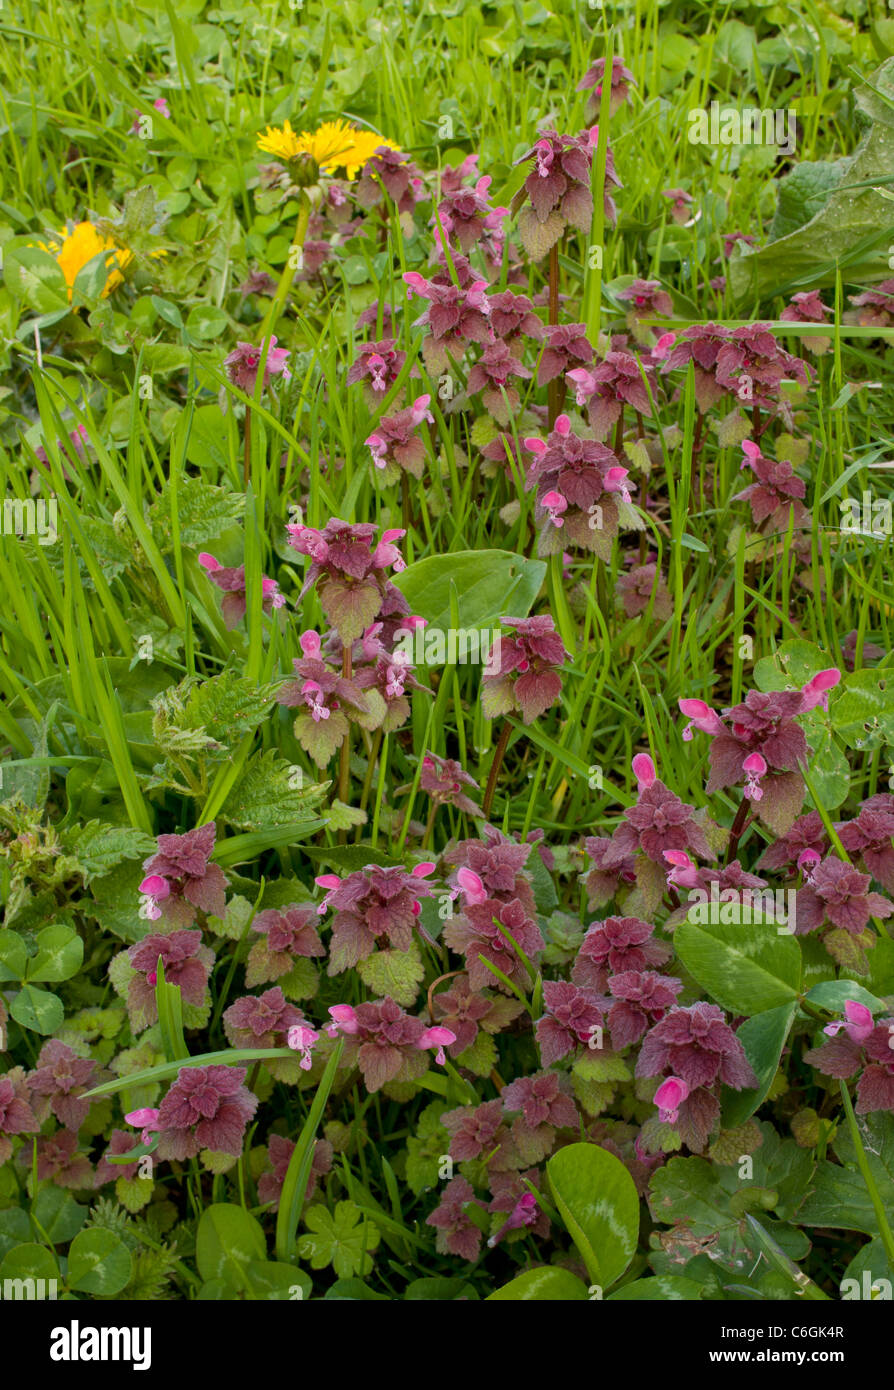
(566, 344)
(621, 82)
(466, 215)
(59, 1081)
(876, 306)
(480, 1132)
(511, 1195)
(808, 307)
(370, 318)
(495, 933)
(258, 282)
(837, 895)
(377, 365)
(457, 1233)
(870, 652)
(396, 443)
(443, 779)
(658, 821)
(279, 1154)
(384, 676)
(181, 878)
(231, 579)
(582, 491)
(244, 363)
(603, 881)
(327, 702)
(697, 1047)
(494, 868)
(776, 495)
(648, 300)
(373, 907)
(385, 1042)
(286, 935)
(491, 375)
(807, 834)
(572, 1014)
(392, 172)
(867, 1047)
(207, 1109)
(347, 570)
(616, 945)
(186, 963)
(59, 1160)
(269, 1020)
(466, 1010)
(544, 1105)
(641, 586)
(16, 1114)
(556, 193)
(527, 681)
(758, 742)
(681, 205)
(642, 998)
(457, 315)
(870, 837)
(732, 239)
(513, 318)
(608, 387)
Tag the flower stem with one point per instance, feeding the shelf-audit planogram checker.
(866, 1174)
(344, 766)
(246, 461)
(495, 768)
(553, 387)
(738, 826)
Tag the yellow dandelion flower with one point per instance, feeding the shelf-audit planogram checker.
(336, 145)
(80, 245)
(285, 144)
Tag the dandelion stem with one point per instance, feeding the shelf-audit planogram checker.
(288, 271)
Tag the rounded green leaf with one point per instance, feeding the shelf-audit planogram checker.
(228, 1239)
(487, 583)
(58, 1215)
(763, 1037)
(746, 968)
(205, 322)
(548, 1284)
(60, 952)
(665, 1288)
(269, 1280)
(98, 1262)
(37, 1009)
(834, 994)
(598, 1202)
(13, 956)
(29, 1261)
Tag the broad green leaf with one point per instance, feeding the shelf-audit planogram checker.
(664, 1288)
(37, 1010)
(343, 1239)
(99, 1262)
(598, 1203)
(863, 713)
(747, 969)
(13, 956)
(488, 585)
(228, 1239)
(838, 1197)
(58, 1215)
(834, 994)
(29, 1261)
(60, 952)
(763, 1037)
(545, 1285)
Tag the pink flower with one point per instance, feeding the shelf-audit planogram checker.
(145, 1119)
(244, 361)
(555, 505)
(344, 1020)
(302, 1039)
(471, 886)
(857, 1022)
(643, 771)
(815, 692)
(754, 767)
(669, 1097)
(155, 889)
(701, 716)
(437, 1037)
(194, 882)
(524, 1213)
(663, 346)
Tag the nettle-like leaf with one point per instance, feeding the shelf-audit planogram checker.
(270, 792)
(539, 237)
(210, 715)
(395, 973)
(343, 1239)
(322, 738)
(342, 817)
(99, 848)
(427, 1148)
(234, 920)
(350, 606)
(204, 512)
